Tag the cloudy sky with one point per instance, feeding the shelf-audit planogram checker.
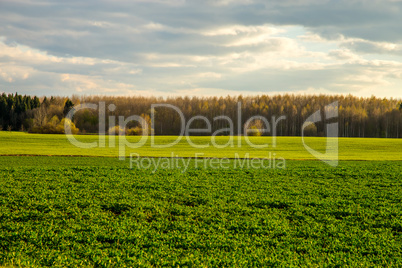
(195, 48)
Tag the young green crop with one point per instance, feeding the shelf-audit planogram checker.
(97, 211)
(77, 211)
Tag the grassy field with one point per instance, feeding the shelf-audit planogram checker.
(98, 212)
(16, 143)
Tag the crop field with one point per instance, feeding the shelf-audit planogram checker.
(290, 148)
(99, 212)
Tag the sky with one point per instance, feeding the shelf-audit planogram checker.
(201, 48)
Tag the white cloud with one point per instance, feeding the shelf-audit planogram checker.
(343, 54)
(370, 47)
(229, 2)
(162, 47)
(241, 29)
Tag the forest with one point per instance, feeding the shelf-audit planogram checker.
(357, 116)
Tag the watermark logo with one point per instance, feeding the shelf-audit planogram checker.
(186, 129)
(331, 155)
(200, 161)
(115, 128)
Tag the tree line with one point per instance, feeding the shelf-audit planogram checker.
(15, 109)
(357, 116)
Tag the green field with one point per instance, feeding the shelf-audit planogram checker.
(98, 212)
(17, 143)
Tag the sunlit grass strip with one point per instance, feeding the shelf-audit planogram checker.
(16, 143)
